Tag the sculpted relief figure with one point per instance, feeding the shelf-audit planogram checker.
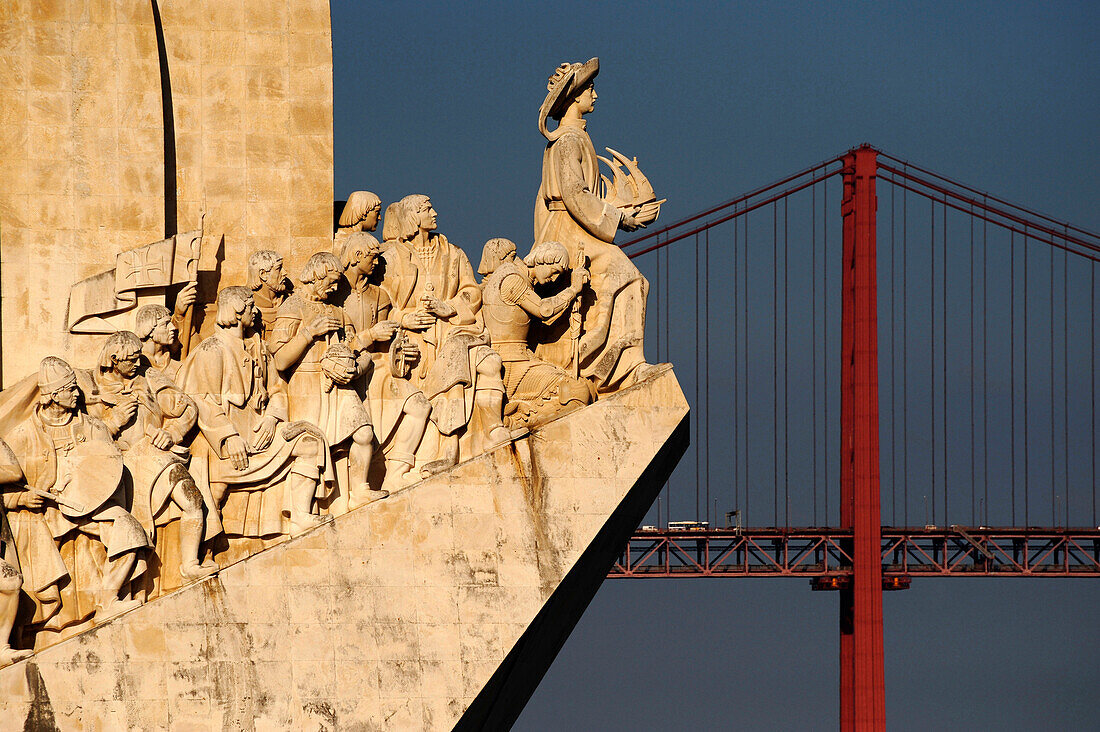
(399, 409)
(569, 209)
(149, 419)
(11, 581)
(437, 301)
(361, 213)
(260, 467)
(155, 327)
(269, 286)
(79, 549)
(536, 389)
(313, 344)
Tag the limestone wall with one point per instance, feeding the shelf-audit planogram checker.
(441, 605)
(111, 138)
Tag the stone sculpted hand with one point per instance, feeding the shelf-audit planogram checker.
(345, 375)
(186, 297)
(629, 223)
(32, 501)
(162, 440)
(238, 452)
(322, 325)
(265, 433)
(437, 307)
(123, 412)
(383, 330)
(418, 320)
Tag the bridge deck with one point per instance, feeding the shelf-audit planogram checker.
(824, 554)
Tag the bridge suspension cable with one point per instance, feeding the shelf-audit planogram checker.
(997, 362)
(981, 401)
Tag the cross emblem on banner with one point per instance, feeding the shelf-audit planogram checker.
(142, 263)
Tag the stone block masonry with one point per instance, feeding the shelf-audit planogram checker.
(440, 607)
(122, 122)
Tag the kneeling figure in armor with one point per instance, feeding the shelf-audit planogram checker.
(536, 389)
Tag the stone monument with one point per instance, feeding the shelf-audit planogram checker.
(378, 499)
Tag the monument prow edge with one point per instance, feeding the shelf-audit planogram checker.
(440, 607)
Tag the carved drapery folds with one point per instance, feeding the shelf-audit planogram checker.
(382, 364)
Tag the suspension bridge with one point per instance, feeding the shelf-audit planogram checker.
(899, 371)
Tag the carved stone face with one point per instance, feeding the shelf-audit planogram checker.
(248, 315)
(67, 396)
(370, 219)
(327, 284)
(426, 217)
(545, 273)
(165, 332)
(367, 263)
(128, 364)
(274, 278)
(586, 100)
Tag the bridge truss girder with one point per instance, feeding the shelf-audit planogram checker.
(824, 555)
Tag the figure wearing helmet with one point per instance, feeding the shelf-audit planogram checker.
(68, 520)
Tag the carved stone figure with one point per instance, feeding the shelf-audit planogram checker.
(400, 410)
(268, 284)
(313, 343)
(11, 581)
(536, 389)
(569, 209)
(79, 548)
(391, 224)
(438, 302)
(260, 468)
(149, 419)
(10, 584)
(360, 213)
(156, 327)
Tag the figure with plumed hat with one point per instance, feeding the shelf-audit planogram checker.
(583, 210)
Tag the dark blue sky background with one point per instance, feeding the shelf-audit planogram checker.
(716, 99)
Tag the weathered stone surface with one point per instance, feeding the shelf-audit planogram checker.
(117, 127)
(442, 605)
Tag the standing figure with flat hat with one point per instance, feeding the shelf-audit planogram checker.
(570, 208)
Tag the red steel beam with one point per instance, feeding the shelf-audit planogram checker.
(818, 553)
(862, 665)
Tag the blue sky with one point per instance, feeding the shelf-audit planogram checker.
(716, 99)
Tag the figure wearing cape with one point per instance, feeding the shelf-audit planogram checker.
(235, 385)
(60, 560)
(569, 209)
(451, 349)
